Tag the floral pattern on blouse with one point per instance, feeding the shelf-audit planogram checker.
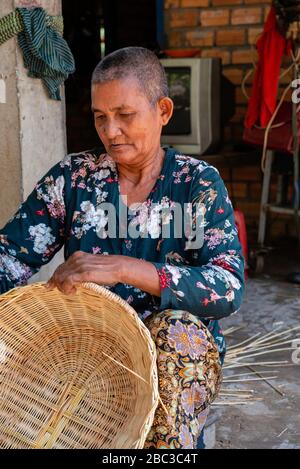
(64, 209)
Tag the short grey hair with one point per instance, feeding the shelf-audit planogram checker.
(137, 62)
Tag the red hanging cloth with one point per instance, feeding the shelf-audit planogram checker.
(270, 47)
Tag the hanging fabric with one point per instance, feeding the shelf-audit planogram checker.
(45, 52)
(271, 47)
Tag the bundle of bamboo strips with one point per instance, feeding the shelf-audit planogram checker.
(244, 355)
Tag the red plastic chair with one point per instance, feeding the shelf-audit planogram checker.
(242, 234)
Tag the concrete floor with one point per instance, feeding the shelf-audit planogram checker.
(273, 422)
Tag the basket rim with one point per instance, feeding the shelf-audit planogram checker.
(91, 286)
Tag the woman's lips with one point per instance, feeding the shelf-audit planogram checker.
(119, 146)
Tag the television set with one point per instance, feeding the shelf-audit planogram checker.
(194, 84)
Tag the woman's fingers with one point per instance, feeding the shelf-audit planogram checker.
(68, 286)
(49, 285)
(65, 280)
(57, 279)
(84, 267)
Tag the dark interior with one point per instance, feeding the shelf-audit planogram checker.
(123, 23)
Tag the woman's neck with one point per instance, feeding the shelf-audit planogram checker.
(148, 170)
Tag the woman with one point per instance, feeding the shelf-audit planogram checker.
(179, 286)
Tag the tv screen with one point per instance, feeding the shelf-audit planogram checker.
(194, 84)
(179, 80)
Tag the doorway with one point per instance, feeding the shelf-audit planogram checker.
(93, 29)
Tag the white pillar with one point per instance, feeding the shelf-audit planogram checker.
(32, 127)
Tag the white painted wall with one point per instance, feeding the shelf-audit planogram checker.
(32, 127)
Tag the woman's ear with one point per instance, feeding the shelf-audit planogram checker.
(166, 107)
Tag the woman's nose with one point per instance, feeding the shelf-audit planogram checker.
(112, 129)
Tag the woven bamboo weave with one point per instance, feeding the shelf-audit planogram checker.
(76, 371)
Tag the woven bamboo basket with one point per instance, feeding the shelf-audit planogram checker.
(76, 371)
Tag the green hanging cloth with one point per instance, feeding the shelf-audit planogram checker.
(46, 54)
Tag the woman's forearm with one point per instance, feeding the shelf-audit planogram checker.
(140, 274)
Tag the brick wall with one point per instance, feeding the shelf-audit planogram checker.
(220, 28)
(243, 179)
(228, 29)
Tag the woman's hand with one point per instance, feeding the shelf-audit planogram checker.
(83, 267)
(105, 270)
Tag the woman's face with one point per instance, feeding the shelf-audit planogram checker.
(127, 124)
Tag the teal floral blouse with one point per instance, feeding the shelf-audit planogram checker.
(65, 209)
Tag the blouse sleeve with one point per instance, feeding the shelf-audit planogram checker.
(35, 233)
(210, 285)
